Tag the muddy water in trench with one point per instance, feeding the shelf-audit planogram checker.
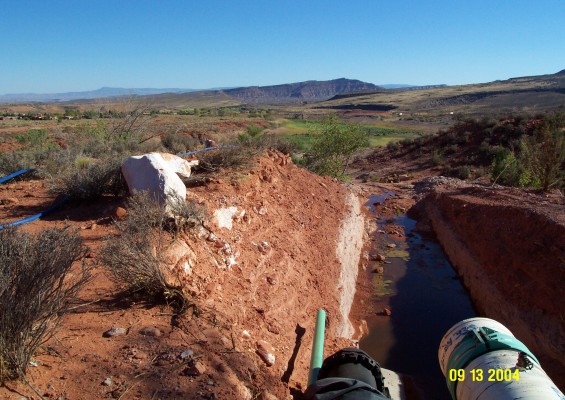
(425, 297)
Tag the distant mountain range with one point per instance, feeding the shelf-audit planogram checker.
(87, 95)
(284, 94)
(290, 93)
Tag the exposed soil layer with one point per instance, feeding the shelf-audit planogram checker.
(260, 280)
(509, 248)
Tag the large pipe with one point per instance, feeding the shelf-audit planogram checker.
(317, 347)
(482, 360)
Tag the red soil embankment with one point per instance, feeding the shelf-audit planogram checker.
(509, 248)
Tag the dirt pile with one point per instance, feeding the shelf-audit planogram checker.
(508, 247)
(256, 273)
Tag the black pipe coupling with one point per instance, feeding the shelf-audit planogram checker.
(352, 363)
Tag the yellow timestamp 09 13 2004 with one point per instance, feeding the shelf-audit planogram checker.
(490, 375)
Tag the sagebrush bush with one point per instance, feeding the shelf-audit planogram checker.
(89, 181)
(230, 156)
(134, 257)
(16, 160)
(36, 289)
(176, 143)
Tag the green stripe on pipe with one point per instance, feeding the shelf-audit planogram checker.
(317, 347)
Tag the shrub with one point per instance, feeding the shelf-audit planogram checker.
(437, 157)
(508, 170)
(231, 155)
(334, 146)
(33, 138)
(544, 152)
(35, 291)
(460, 172)
(393, 146)
(89, 181)
(176, 143)
(134, 257)
(15, 161)
(281, 144)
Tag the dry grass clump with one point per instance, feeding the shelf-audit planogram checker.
(36, 289)
(134, 256)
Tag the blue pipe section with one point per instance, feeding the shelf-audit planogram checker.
(17, 173)
(36, 216)
(201, 150)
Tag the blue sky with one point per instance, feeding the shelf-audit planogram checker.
(74, 45)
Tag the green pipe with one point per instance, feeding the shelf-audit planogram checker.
(317, 347)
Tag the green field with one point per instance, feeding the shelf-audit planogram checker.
(301, 133)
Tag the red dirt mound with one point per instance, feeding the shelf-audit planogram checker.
(255, 288)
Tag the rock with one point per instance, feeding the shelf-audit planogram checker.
(158, 175)
(94, 226)
(136, 354)
(239, 216)
(210, 143)
(245, 334)
(150, 331)
(262, 211)
(114, 331)
(223, 217)
(386, 312)
(378, 257)
(186, 354)
(179, 165)
(378, 270)
(91, 358)
(120, 213)
(180, 257)
(221, 367)
(107, 382)
(391, 245)
(265, 395)
(202, 233)
(194, 369)
(266, 352)
(164, 358)
(273, 326)
(264, 247)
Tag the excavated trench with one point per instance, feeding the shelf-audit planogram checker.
(420, 288)
(509, 249)
(474, 251)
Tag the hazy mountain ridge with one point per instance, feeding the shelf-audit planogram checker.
(103, 92)
(547, 88)
(298, 92)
